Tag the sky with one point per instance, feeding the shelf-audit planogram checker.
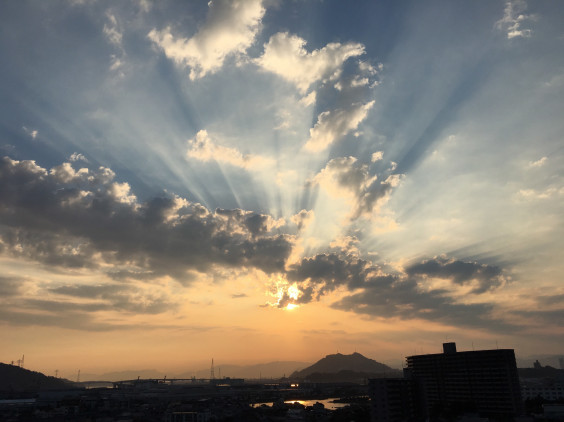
(266, 180)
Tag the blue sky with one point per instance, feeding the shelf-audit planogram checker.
(377, 175)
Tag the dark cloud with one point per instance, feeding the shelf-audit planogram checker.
(329, 271)
(551, 317)
(89, 291)
(376, 293)
(404, 300)
(69, 218)
(82, 307)
(255, 224)
(119, 297)
(551, 300)
(459, 272)
(74, 320)
(82, 219)
(10, 286)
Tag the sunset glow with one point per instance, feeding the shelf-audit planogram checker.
(176, 176)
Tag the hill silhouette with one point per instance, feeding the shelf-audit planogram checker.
(341, 367)
(16, 379)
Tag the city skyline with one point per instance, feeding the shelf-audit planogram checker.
(272, 180)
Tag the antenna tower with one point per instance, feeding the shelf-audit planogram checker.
(212, 374)
(20, 362)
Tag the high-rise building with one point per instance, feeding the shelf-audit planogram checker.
(395, 400)
(484, 381)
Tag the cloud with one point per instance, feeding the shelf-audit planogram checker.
(111, 30)
(31, 132)
(119, 297)
(347, 245)
(487, 277)
(114, 35)
(80, 219)
(513, 19)
(303, 219)
(285, 55)
(548, 193)
(10, 286)
(74, 319)
(230, 28)
(333, 125)
(374, 292)
(203, 148)
(75, 156)
(78, 306)
(550, 300)
(253, 223)
(377, 156)
(347, 177)
(539, 163)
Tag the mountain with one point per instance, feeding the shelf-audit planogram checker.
(347, 365)
(16, 379)
(265, 370)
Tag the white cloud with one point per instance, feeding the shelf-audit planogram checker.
(309, 99)
(121, 192)
(303, 219)
(333, 125)
(230, 28)
(145, 5)
(539, 163)
(114, 35)
(75, 156)
(346, 177)
(65, 173)
(346, 244)
(111, 30)
(513, 19)
(377, 156)
(286, 56)
(31, 132)
(203, 148)
(532, 194)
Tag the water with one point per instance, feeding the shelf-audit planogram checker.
(328, 403)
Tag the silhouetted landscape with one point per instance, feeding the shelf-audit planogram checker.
(14, 379)
(485, 384)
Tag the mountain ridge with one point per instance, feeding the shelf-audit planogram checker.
(16, 379)
(354, 363)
